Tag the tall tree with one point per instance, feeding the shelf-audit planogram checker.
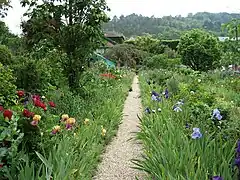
(233, 28)
(4, 6)
(72, 25)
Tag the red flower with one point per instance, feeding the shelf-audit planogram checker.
(1, 109)
(27, 113)
(1, 165)
(40, 104)
(108, 75)
(52, 104)
(20, 94)
(7, 114)
(36, 97)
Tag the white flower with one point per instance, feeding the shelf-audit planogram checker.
(192, 92)
(199, 80)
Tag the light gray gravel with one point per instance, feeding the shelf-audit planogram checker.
(116, 163)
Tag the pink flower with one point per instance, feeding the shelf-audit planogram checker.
(34, 123)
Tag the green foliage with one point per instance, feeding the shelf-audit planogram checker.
(84, 20)
(233, 28)
(39, 75)
(4, 6)
(230, 58)
(169, 27)
(170, 43)
(7, 86)
(125, 55)
(147, 43)
(199, 50)
(5, 55)
(10, 139)
(160, 61)
(78, 148)
(167, 135)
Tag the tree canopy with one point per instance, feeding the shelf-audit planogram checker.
(199, 50)
(169, 27)
(73, 26)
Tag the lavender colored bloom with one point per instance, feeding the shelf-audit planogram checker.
(238, 147)
(237, 162)
(217, 178)
(216, 114)
(196, 133)
(155, 93)
(176, 108)
(166, 93)
(179, 103)
(147, 110)
(155, 98)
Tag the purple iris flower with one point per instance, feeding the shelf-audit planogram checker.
(176, 108)
(156, 98)
(217, 178)
(216, 114)
(155, 93)
(166, 93)
(196, 133)
(147, 110)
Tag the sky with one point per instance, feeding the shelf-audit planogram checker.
(157, 8)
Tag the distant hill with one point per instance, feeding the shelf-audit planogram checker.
(169, 27)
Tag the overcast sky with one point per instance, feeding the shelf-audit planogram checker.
(158, 8)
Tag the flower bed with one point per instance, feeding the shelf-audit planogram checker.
(192, 132)
(61, 135)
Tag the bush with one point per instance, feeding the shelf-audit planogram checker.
(5, 55)
(39, 75)
(170, 43)
(125, 54)
(199, 50)
(8, 89)
(161, 61)
(148, 43)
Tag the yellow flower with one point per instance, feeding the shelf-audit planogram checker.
(71, 121)
(86, 121)
(103, 131)
(36, 118)
(65, 117)
(56, 128)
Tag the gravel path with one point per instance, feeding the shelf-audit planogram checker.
(116, 163)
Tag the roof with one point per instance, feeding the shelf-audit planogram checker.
(114, 34)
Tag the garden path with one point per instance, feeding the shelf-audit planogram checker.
(116, 163)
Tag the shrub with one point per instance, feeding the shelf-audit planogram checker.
(5, 55)
(125, 54)
(8, 89)
(161, 61)
(39, 75)
(199, 50)
(170, 43)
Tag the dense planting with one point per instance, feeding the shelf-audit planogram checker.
(190, 126)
